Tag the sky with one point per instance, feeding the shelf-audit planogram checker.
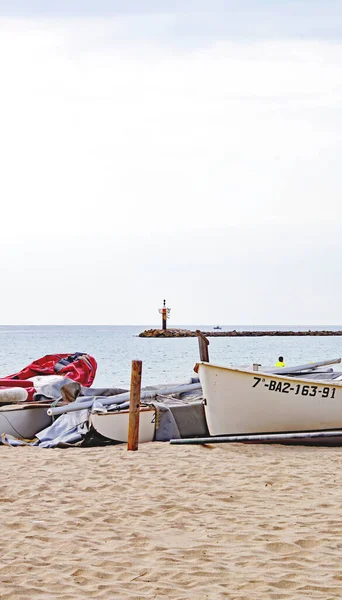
(187, 150)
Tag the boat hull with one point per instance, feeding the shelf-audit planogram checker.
(114, 425)
(241, 402)
(24, 421)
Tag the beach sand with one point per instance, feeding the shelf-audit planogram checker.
(224, 521)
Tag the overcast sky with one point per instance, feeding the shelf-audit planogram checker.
(191, 152)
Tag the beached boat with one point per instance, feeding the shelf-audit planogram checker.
(21, 414)
(114, 425)
(243, 401)
(24, 420)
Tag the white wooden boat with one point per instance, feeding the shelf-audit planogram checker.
(114, 425)
(242, 401)
(24, 420)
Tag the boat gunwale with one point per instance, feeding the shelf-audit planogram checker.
(121, 412)
(329, 382)
(25, 406)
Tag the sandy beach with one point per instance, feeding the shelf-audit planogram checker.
(181, 522)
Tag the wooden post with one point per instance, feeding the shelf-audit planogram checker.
(203, 343)
(134, 405)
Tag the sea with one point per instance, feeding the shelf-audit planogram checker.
(165, 360)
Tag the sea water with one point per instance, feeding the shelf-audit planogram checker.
(165, 360)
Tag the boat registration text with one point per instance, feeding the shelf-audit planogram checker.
(285, 387)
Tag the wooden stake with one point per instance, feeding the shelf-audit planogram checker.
(203, 343)
(134, 406)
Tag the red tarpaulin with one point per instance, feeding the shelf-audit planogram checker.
(79, 367)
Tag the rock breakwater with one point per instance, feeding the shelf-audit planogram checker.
(172, 333)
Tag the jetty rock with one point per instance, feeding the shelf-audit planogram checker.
(172, 333)
(167, 333)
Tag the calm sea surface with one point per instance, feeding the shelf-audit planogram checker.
(164, 360)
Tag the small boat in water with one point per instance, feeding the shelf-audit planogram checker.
(217, 327)
(247, 401)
